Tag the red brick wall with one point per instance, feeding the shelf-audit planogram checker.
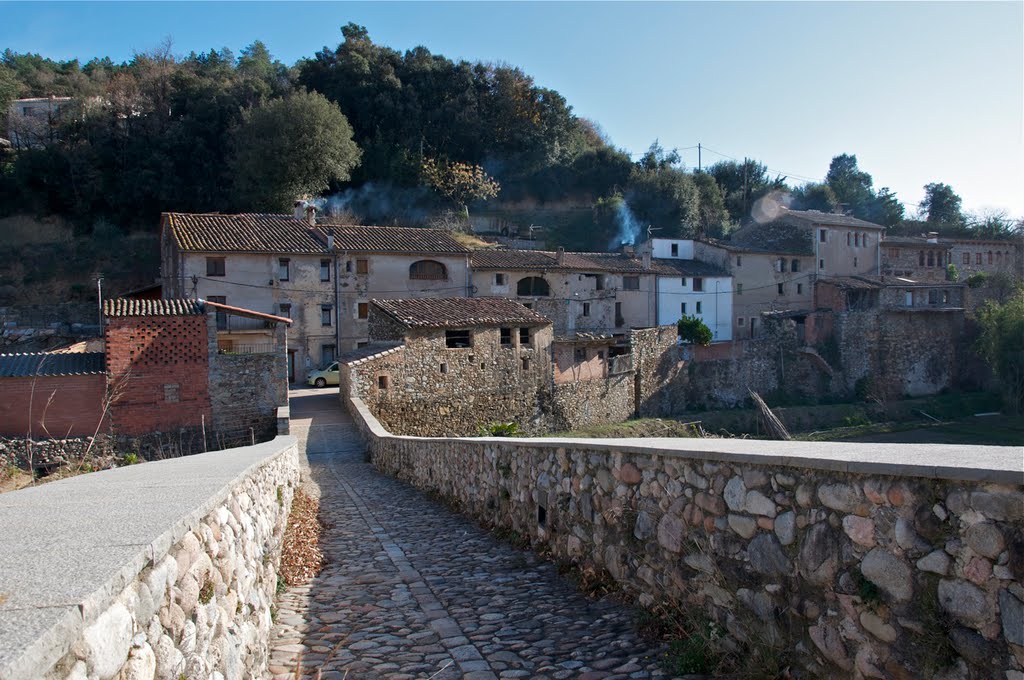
(75, 409)
(159, 372)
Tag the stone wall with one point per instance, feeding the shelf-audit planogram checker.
(844, 563)
(429, 389)
(584, 403)
(192, 599)
(37, 328)
(246, 389)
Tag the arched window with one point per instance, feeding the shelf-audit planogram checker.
(990, 257)
(931, 259)
(856, 240)
(999, 257)
(780, 265)
(533, 286)
(920, 258)
(864, 240)
(428, 270)
(794, 266)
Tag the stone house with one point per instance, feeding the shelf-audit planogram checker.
(989, 256)
(445, 366)
(763, 281)
(321, 275)
(32, 123)
(921, 258)
(580, 292)
(842, 245)
(689, 287)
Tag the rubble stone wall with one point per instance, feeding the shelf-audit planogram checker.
(201, 606)
(882, 573)
(36, 328)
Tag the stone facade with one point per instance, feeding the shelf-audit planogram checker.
(591, 402)
(876, 574)
(917, 258)
(971, 256)
(201, 606)
(34, 328)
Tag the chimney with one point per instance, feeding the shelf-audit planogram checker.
(560, 257)
(933, 237)
(300, 209)
(647, 259)
(627, 249)
(311, 215)
(330, 240)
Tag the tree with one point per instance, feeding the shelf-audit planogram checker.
(712, 217)
(694, 331)
(885, 209)
(941, 205)
(290, 147)
(815, 196)
(663, 195)
(850, 184)
(460, 183)
(742, 184)
(1002, 345)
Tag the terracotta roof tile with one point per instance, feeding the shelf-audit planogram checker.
(826, 219)
(460, 312)
(47, 363)
(131, 307)
(354, 238)
(539, 260)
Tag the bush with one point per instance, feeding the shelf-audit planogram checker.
(694, 331)
(499, 430)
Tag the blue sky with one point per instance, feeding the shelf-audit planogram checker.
(919, 91)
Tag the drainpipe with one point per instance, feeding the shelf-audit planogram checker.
(337, 306)
(469, 279)
(878, 256)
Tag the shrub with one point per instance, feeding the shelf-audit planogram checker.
(694, 331)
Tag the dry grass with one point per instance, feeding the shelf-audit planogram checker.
(20, 230)
(301, 557)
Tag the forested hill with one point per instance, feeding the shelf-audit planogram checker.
(397, 137)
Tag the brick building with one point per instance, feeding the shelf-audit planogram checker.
(52, 395)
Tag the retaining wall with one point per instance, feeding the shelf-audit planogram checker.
(851, 560)
(162, 570)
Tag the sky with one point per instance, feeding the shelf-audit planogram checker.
(920, 91)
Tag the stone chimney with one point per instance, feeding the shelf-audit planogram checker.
(647, 259)
(560, 256)
(933, 237)
(330, 240)
(628, 249)
(311, 215)
(300, 209)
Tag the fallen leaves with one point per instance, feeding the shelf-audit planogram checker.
(301, 557)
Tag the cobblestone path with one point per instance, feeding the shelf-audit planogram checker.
(412, 590)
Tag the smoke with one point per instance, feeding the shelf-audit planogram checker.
(381, 204)
(629, 228)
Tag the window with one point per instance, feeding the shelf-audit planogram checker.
(821, 235)
(698, 307)
(283, 268)
(444, 368)
(782, 289)
(325, 315)
(285, 310)
(675, 250)
(364, 310)
(631, 283)
(526, 364)
(847, 238)
(500, 280)
(794, 266)
(780, 264)
(222, 316)
(506, 337)
(740, 321)
(533, 286)
(931, 259)
(682, 309)
(977, 258)
(739, 260)
(215, 266)
(455, 339)
(586, 309)
(855, 263)
(967, 258)
(524, 337)
(799, 289)
(698, 284)
(933, 297)
(856, 240)
(428, 270)
(945, 297)
(894, 252)
(739, 289)
(362, 267)
(821, 265)
(864, 240)
(579, 355)
(619, 320)
(682, 282)
(382, 382)
(528, 305)
(348, 266)
(325, 270)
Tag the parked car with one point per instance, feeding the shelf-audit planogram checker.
(325, 377)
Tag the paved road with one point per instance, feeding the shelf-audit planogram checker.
(412, 590)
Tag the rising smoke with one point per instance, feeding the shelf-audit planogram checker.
(382, 204)
(629, 228)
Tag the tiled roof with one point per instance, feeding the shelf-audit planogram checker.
(353, 238)
(363, 354)
(784, 238)
(267, 233)
(46, 363)
(130, 307)
(541, 260)
(689, 268)
(460, 312)
(245, 233)
(852, 282)
(242, 311)
(912, 241)
(826, 219)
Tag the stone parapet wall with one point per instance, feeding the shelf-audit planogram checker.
(182, 588)
(845, 563)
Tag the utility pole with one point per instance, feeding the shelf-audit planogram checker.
(698, 157)
(99, 295)
(744, 186)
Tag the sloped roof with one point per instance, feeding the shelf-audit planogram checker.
(916, 241)
(363, 354)
(546, 260)
(782, 237)
(285, 234)
(242, 311)
(47, 363)
(132, 307)
(460, 312)
(244, 233)
(826, 219)
(356, 238)
(690, 268)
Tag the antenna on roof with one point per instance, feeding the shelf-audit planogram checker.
(650, 229)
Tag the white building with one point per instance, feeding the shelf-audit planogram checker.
(693, 288)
